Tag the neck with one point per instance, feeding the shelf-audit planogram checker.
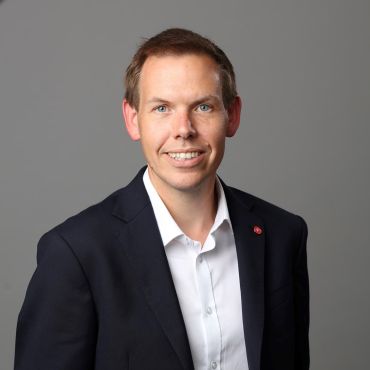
(194, 211)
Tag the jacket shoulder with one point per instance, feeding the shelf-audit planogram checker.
(90, 218)
(87, 230)
(94, 229)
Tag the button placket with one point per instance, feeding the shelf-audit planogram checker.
(211, 324)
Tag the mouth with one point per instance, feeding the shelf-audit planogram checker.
(184, 156)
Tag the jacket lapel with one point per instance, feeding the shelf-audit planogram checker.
(250, 247)
(141, 242)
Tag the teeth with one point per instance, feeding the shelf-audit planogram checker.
(183, 156)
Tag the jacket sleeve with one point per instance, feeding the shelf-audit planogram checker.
(301, 303)
(57, 323)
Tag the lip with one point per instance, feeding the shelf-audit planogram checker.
(182, 150)
(187, 163)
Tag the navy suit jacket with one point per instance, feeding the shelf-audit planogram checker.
(102, 296)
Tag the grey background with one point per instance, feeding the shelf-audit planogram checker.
(303, 70)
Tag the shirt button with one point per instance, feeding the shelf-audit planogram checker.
(209, 312)
(214, 365)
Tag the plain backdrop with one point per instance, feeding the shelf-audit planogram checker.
(303, 72)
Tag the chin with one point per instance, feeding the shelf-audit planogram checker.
(187, 183)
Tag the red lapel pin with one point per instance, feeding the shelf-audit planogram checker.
(257, 230)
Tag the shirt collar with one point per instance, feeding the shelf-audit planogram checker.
(168, 227)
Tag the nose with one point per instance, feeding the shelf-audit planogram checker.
(183, 126)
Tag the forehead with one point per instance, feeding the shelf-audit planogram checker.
(175, 74)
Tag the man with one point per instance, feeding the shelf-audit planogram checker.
(176, 270)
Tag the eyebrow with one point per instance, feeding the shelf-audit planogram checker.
(158, 100)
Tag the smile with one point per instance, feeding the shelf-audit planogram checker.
(181, 156)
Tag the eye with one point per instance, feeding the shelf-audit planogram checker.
(204, 107)
(161, 109)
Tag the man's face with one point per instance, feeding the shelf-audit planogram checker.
(181, 121)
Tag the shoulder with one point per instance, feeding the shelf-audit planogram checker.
(79, 231)
(99, 219)
(88, 221)
(94, 230)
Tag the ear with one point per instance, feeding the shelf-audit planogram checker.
(233, 119)
(131, 121)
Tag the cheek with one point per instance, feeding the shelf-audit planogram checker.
(212, 127)
(150, 128)
(153, 137)
(218, 144)
(214, 135)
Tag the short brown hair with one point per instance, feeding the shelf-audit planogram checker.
(178, 41)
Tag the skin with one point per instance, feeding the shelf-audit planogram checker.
(181, 111)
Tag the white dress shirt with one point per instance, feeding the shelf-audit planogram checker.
(207, 286)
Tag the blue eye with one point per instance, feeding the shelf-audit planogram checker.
(161, 109)
(204, 107)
